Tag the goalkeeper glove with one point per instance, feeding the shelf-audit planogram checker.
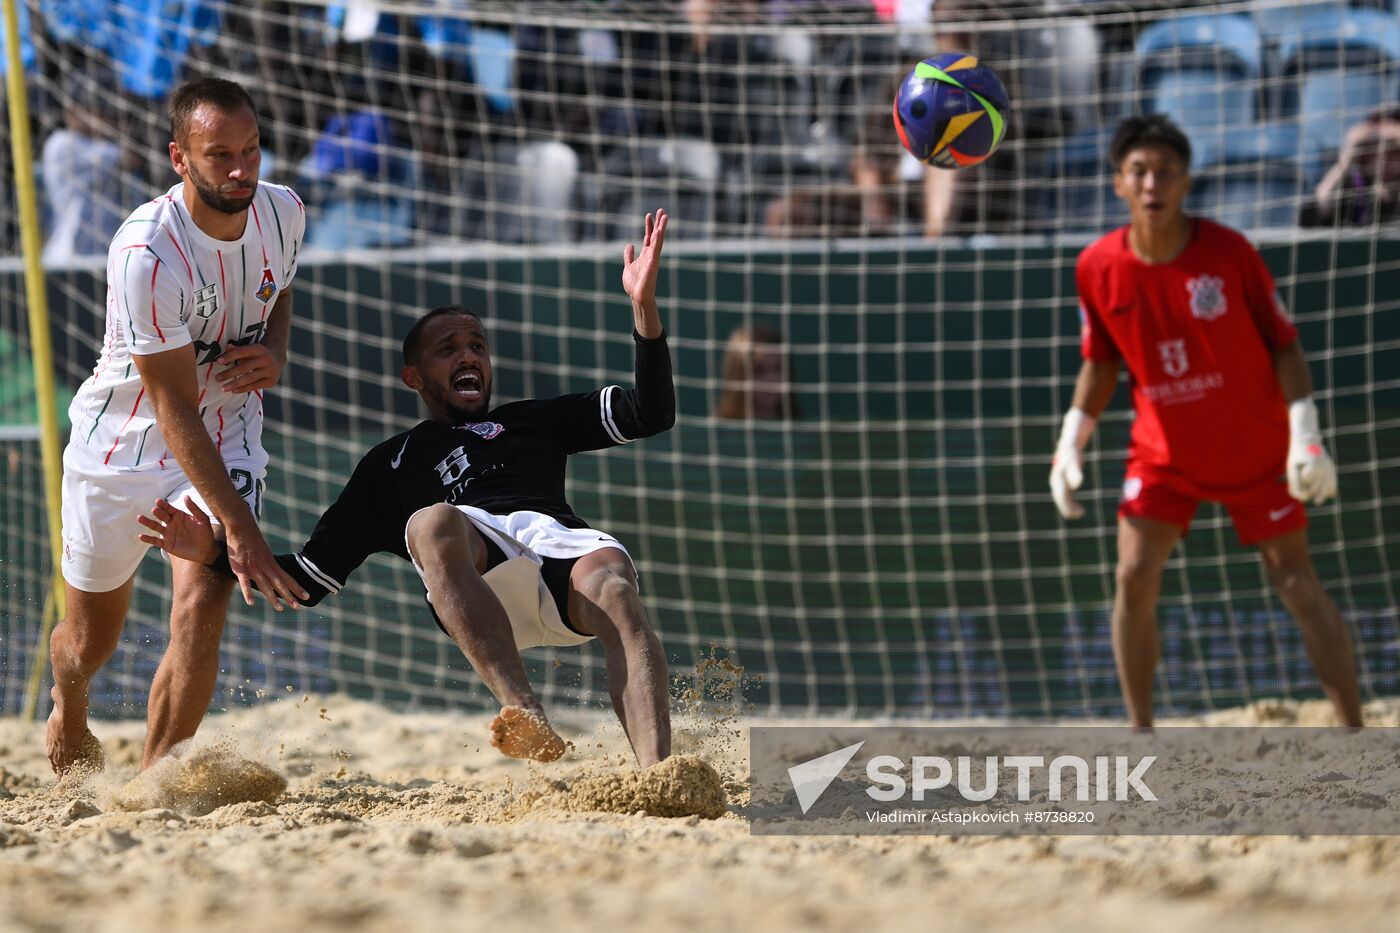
(1067, 471)
(1312, 476)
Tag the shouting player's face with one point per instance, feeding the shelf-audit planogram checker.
(1153, 181)
(220, 157)
(453, 372)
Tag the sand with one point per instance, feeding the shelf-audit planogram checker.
(358, 818)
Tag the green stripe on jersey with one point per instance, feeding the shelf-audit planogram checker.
(105, 403)
(142, 446)
(276, 218)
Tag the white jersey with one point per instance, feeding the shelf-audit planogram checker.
(170, 284)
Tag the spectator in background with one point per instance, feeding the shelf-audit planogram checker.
(363, 182)
(1363, 186)
(757, 381)
(84, 165)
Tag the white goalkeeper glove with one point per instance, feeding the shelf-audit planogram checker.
(1312, 476)
(1067, 471)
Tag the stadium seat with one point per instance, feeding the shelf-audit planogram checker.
(1340, 67)
(359, 185)
(1202, 70)
(1252, 180)
(1070, 187)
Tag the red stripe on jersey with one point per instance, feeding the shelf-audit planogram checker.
(182, 256)
(223, 286)
(112, 449)
(159, 333)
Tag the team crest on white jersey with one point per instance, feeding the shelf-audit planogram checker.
(1173, 353)
(268, 288)
(1207, 297)
(486, 430)
(206, 301)
(453, 466)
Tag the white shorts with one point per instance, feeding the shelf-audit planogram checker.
(101, 548)
(534, 536)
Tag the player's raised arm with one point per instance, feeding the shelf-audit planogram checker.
(639, 271)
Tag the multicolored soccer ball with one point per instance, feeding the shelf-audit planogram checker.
(950, 111)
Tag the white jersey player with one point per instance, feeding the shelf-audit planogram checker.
(198, 316)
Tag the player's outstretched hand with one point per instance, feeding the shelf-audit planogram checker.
(1067, 475)
(639, 270)
(190, 536)
(252, 561)
(186, 535)
(250, 367)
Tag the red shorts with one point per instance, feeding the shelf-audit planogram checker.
(1259, 513)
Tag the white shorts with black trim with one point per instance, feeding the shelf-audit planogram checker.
(101, 547)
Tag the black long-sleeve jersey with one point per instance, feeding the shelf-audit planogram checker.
(513, 459)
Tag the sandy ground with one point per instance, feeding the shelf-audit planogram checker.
(412, 822)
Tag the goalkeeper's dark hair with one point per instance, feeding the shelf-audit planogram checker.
(413, 340)
(224, 95)
(1154, 129)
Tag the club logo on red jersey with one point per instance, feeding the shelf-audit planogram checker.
(268, 288)
(1207, 297)
(1174, 361)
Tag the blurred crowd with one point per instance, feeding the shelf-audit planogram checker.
(556, 121)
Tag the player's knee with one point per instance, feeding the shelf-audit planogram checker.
(609, 587)
(85, 647)
(619, 607)
(1136, 576)
(1296, 584)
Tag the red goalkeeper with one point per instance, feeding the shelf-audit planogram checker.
(1223, 399)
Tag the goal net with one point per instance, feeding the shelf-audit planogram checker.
(874, 533)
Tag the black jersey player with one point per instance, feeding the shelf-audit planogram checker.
(474, 497)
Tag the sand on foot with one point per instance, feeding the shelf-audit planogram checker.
(522, 733)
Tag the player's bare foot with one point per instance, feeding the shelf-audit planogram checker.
(80, 754)
(525, 733)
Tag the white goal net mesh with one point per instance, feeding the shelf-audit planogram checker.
(887, 542)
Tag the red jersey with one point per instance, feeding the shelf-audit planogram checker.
(1198, 336)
